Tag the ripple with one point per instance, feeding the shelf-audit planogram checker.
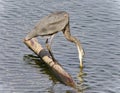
(95, 23)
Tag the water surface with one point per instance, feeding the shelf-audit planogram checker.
(95, 22)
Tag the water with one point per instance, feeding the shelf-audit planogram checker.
(95, 22)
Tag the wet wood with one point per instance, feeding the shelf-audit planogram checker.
(58, 70)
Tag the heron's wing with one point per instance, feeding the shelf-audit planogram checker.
(52, 23)
(49, 25)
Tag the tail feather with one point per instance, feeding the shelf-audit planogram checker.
(31, 35)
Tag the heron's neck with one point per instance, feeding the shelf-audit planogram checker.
(79, 55)
(79, 48)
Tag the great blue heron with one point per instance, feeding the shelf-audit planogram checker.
(50, 25)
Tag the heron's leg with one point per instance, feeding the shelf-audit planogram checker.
(48, 45)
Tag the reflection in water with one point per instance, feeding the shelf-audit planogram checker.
(95, 22)
(36, 62)
(80, 85)
(80, 75)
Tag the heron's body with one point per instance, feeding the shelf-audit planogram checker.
(53, 23)
(50, 25)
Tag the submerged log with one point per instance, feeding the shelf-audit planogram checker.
(58, 70)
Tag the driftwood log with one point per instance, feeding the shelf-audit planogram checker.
(58, 70)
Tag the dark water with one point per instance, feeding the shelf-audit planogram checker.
(95, 22)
